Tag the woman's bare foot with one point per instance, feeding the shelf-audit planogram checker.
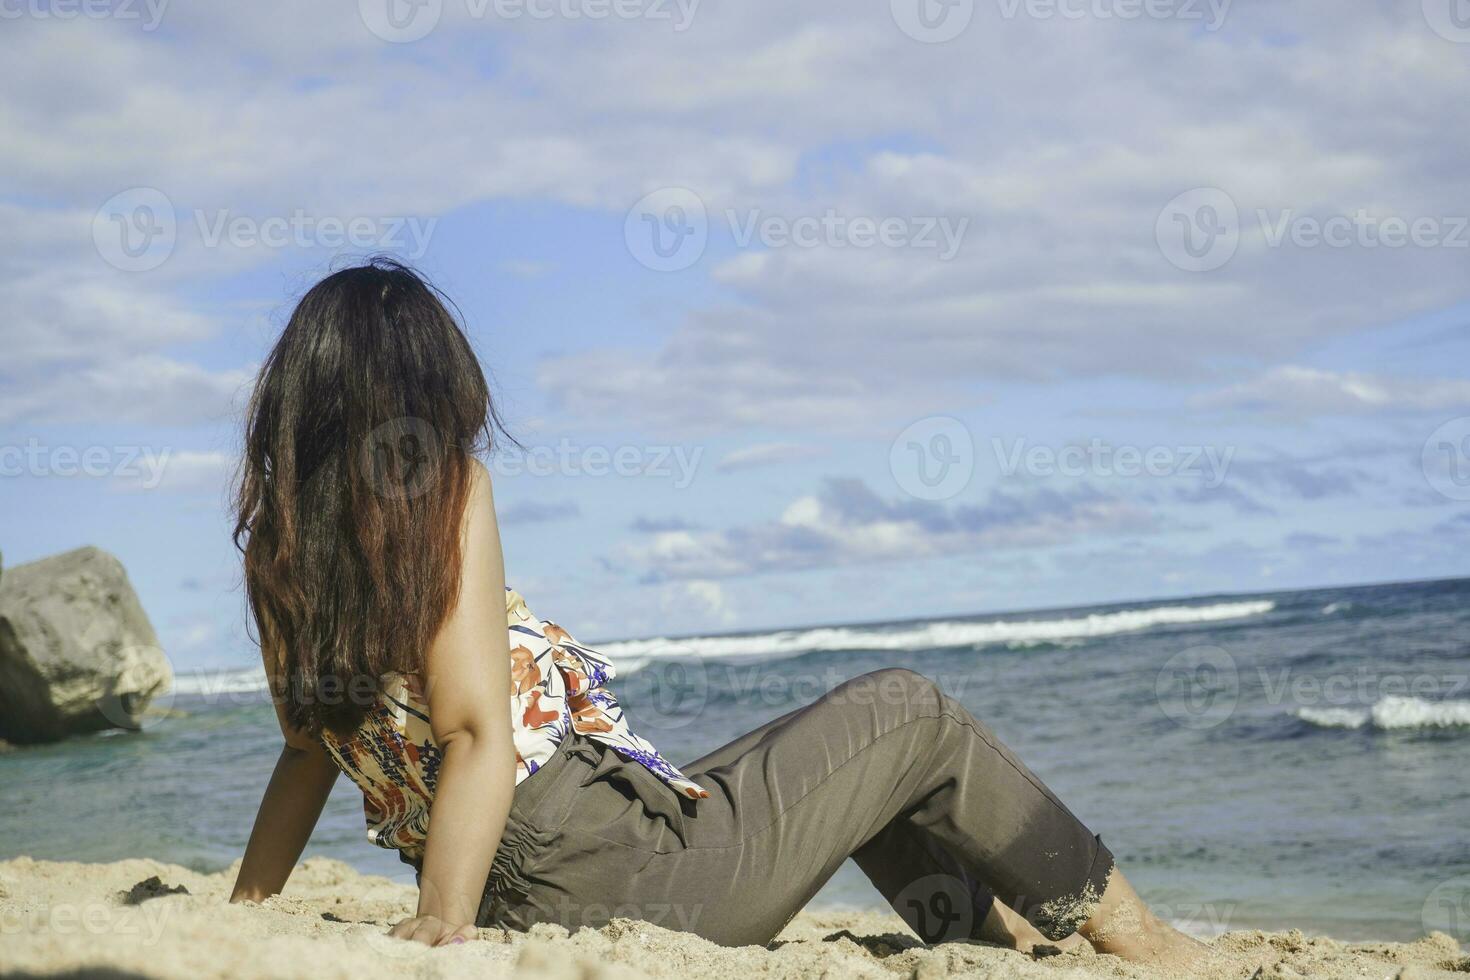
(1004, 926)
(1125, 927)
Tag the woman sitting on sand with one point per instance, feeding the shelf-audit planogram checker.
(489, 749)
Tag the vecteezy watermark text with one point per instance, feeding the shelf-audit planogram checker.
(405, 21)
(937, 21)
(150, 12)
(1200, 688)
(1200, 230)
(1101, 459)
(938, 233)
(137, 230)
(1357, 687)
(566, 458)
(679, 688)
(143, 464)
(667, 230)
(146, 921)
(302, 229)
(1209, 14)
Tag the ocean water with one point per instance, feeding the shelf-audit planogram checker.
(1291, 759)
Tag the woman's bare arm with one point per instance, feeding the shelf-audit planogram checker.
(288, 813)
(467, 676)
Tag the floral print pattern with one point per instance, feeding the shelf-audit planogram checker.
(558, 686)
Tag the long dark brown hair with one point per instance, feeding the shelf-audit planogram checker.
(356, 468)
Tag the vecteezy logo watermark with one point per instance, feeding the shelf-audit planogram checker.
(144, 466)
(138, 229)
(1198, 688)
(1363, 230)
(933, 459)
(667, 230)
(680, 691)
(402, 21)
(573, 915)
(679, 687)
(144, 922)
(937, 21)
(1210, 14)
(940, 908)
(1098, 458)
(1360, 686)
(149, 11)
(137, 710)
(1446, 459)
(1450, 19)
(135, 230)
(566, 458)
(1447, 909)
(407, 234)
(932, 21)
(1199, 230)
(832, 230)
(401, 459)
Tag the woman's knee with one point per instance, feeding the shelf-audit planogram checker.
(898, 687)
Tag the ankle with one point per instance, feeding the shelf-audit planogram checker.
(1125, 925)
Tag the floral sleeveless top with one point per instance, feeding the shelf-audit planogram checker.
(557, 687)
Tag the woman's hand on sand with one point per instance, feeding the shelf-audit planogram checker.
(431, 931)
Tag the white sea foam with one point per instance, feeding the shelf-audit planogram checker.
(631, 654)
(1392, 713)
(1335, 607)
(1335, 717)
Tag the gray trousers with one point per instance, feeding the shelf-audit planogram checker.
(884, 769)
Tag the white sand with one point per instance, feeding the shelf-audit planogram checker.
(71, 918)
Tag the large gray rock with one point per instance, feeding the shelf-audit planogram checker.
(77, 653)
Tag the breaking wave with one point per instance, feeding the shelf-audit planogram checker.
(929, 636)
(1392, 713)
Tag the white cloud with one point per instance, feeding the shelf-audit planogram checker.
(1060, 275)
(178, 471)
(698, 600)
(84, 342)
(768, 454)
(1059, 140)
(848, 524)
(143, 388)
(1303, 391)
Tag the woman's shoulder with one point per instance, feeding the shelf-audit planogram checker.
(481, 488)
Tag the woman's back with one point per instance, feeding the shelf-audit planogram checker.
(558, 687)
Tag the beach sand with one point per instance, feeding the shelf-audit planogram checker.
(95, 920)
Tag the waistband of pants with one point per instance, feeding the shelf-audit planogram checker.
(545, 799)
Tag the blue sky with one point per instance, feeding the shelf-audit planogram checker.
(1235, 248)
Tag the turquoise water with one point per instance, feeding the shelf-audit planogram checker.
(1296, 759)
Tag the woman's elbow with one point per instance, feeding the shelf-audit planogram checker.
(476, 742)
